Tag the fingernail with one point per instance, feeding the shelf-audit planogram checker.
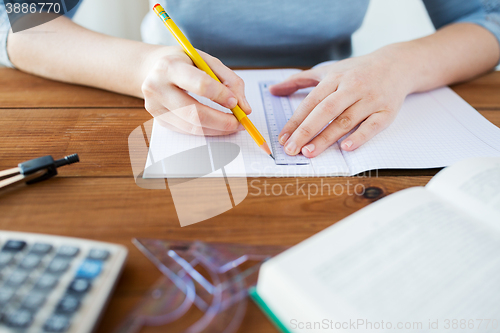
(310, 148)
(232, 102)
(347, 144)
(291, 148)
(240, 127)
(283, 138)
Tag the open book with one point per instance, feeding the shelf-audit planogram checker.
(423, 256)
(433, 129)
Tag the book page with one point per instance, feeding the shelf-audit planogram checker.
(407, 258)
(433, 129)
(472, 185)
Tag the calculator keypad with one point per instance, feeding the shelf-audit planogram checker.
(46, 282)
(5, 259)
(19, 319)
(68, 251)
(41, 248)
(31, 261)
(98, 254)
(57, 323)
(16, 279)
(33, 301)
(14, 246)
(31, 273)
(58, 266)
(68, 304)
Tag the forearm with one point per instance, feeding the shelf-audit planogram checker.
(456, 53)
(64, 51)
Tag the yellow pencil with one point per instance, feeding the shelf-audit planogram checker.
(201, 64)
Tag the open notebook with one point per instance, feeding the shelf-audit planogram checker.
(433, 129)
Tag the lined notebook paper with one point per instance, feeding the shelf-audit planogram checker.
(433, 129)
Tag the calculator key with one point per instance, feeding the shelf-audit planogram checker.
(33, 301)
(14, 246)
(68, 251)
(19, 319)
(89, 269)
(6, 295)
(41, 248)
(57, 323)
(31, 261)
(58, 266)
(98, 254)
(46, 282)
(5, 258)
(79, 286)
(16, 279)
(68, 304)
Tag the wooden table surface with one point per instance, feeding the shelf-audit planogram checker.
(98, 198)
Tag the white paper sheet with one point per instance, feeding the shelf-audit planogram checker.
(434, 129)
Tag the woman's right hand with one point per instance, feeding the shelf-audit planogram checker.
(170, 75)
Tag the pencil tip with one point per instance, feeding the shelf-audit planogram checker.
(265, 148)
(272, 156)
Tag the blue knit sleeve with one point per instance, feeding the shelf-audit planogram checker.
(485, 13)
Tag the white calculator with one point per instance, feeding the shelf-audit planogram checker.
(55, 284)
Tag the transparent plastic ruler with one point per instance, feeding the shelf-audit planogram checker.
(278, 111)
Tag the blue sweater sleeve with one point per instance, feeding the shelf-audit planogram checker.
(5, 28)
(485, 13)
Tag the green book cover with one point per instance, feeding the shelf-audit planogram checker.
(267, 311)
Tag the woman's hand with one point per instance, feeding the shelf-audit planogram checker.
(367, 91)
(170, 74)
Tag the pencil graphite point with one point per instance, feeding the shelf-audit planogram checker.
(272, 156)
(265, 148)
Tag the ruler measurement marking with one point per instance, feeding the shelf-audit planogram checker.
(278, 111)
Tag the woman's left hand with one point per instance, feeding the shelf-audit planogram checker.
(367, 91)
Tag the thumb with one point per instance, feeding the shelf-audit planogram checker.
(305, 79)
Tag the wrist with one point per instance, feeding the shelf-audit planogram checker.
(403, 62)
(151, 58)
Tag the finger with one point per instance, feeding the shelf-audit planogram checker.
(373, 125)
(194, 80)
(229, 79)
(342, 125)
(200, 114)
(173, 122)
(153, 105)
(322, 114)
(315, 97)
(159, 98)
(306, 79)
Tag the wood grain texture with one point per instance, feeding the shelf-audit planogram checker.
(99, 136)
(21, 90)
(98, 198)
(492, 115)
(482, 93)
(117, 210)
